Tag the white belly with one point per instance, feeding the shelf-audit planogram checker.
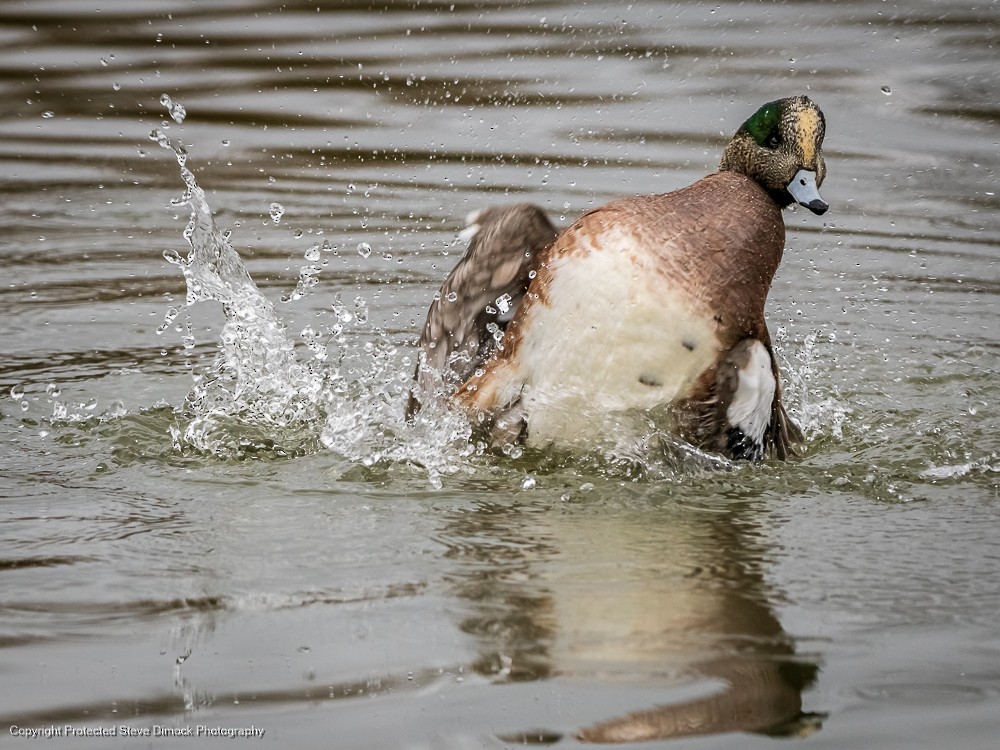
(614, 338)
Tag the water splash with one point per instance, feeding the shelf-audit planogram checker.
(256, 378)
(990, 465)
(815, 413)
(309, 273)
(259, 397)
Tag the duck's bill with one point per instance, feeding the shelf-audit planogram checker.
(803, 189)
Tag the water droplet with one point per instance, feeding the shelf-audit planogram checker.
(168, 319)
(312, 254)
(364, 249)
(175, 109)
(52, 390)
(887, 91)
(343, 314)
(277, 211)
(48, 115)
(529, 483)
(172, 256)
(452, 297)
(17, 392)
(361, 309)
(116, 86)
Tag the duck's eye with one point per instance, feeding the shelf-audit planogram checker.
(773, 140)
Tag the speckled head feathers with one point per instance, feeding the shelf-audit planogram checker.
(778, 141)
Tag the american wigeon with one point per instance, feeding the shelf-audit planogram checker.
(648, 305)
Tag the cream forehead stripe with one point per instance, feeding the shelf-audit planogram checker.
(808, 126)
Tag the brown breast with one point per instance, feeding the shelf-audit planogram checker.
(720, 239)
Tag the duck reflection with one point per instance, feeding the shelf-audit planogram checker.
(650, 595)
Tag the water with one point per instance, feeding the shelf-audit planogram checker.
(187, 542)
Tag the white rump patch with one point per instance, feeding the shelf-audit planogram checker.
(751, 406)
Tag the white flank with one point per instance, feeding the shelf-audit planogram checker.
(751, 406)
(616, 336)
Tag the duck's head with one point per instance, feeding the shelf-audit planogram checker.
(781, 147)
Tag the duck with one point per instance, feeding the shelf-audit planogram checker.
(648, 308)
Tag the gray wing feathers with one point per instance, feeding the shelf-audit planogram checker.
(480, 296)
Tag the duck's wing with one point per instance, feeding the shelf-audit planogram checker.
(479, 297)
(739, 412)
(750, 418)
(783, 433)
